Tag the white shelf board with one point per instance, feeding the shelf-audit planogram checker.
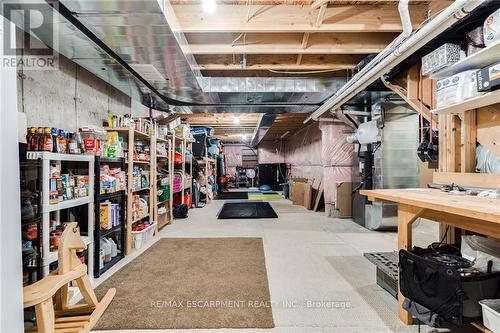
(478, 60)
(471, 104)
(46, 208)
(46, 155)
(54, 255)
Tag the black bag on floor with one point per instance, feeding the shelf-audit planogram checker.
(180, 211)
(442, 289)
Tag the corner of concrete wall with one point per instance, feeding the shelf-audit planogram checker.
(67, 97)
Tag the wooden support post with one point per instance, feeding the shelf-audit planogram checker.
(406, 216)
(468, 148)
(45, 316)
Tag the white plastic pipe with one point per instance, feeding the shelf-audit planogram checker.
(378, 67)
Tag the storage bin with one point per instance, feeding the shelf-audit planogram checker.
(177, 182)
(165, 194)
(140, 238)
(491, 314)
(188, 199)
(178, 158)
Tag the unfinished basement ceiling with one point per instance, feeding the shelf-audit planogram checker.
(289, 56)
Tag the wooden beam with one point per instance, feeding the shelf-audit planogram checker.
(482, 180)
(293, 67)
(488, 128)
(319, 3)
(468, 146)
(295, 2)
(288, 43)
(321, 15)
(284, 18)
(277, 62)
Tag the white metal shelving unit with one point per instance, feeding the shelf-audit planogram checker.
(48, 256)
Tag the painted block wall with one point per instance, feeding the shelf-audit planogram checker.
(70, 97)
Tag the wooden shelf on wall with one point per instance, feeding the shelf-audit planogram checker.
(470, 104)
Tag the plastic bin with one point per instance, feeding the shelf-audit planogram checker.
(491, 314)
(140, 238)
(177, 182)
(165, 195)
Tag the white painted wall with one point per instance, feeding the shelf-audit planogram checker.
(11, 284)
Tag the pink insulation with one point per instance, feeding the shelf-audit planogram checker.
(337, 157)
(270, 152)
(233, 158)
(320, 150)
(303, 153)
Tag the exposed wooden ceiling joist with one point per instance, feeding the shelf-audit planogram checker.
(289, 122)
(298, 2)
(278, 62)
(288, 43)
(235, 18)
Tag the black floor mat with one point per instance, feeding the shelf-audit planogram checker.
(247, 210)
(232, 195)
(270, 192)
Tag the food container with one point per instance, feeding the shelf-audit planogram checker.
(491, 314)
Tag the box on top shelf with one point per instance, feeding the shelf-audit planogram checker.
(444, 56)
(491, 28)
(488, 78)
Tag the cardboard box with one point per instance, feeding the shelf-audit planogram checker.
(343, 203)
(488, 78)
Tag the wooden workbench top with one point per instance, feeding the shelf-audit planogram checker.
(468, 206)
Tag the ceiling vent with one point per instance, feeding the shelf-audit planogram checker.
(148, 72)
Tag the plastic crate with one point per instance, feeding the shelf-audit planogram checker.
(177, 182)
(165, 195)
(140, 238)
(491, 314)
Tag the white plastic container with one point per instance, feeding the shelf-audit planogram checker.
(140, 238)
(491, 28)
(491, 314)
(114, 248)
(107, 249)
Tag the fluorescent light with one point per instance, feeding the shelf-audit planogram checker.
(208, 6)
(236, 120)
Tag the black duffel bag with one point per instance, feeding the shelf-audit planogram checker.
(441, 288)
(180, 211)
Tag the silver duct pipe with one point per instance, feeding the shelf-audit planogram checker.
(378, 67)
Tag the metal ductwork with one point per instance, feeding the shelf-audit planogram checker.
(130, 45)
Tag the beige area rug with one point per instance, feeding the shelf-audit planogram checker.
(191, 283)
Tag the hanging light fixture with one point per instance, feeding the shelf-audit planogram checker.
(236, 120)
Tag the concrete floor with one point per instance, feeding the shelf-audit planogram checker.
(310, 258)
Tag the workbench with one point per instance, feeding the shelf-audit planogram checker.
(481, 215)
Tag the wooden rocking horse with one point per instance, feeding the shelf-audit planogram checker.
(50, 296)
